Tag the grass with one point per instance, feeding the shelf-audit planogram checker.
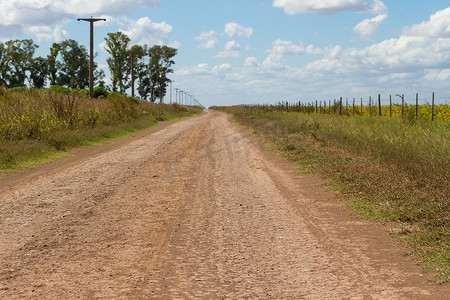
(37, 126)
(389, 170)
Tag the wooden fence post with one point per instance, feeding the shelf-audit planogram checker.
(379, 104)
(417, 106)
(432, 108)
(346, 105)
(353, 106)
(390, 106)
(340, 106)
(403, 105)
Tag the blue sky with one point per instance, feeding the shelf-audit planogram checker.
(263, 51)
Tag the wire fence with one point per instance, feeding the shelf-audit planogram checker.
(397, 106)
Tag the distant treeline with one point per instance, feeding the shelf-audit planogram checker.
(67, 65)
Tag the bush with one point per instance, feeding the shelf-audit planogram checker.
(100, 91)
(82, 92)
(18, 89)
(60, 89)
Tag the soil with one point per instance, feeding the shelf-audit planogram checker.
(194, 209)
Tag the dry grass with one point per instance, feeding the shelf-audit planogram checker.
(35, 124)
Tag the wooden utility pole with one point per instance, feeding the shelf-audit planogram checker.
(91, 55)
(132, 74)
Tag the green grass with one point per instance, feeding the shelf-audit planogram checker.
(388, 170)
(36, 127)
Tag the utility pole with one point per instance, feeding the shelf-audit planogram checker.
(176, 95)
(91, 58)
(171, 92)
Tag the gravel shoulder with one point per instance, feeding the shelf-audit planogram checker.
(194, 209)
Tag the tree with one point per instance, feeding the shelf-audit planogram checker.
(119, 63)
(38, 72)
(19, 57)
(154, 68)
(73, 66)
(161, 59)
(166, 62)
(51, 63)
(136, 53)
(4, 65)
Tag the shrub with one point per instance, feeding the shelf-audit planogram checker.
(100, 91)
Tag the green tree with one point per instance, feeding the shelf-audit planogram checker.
(119, 63)
(161, 60)
(51, 63)
(73, 66)
(4, 65)
(19, 56)
(39, 72)
(154, 69)
(165, 68)
(136, 54)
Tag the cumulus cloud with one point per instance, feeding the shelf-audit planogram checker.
(80, 7)
(144, 31)
(295, 7)
(234, 30)
(231, 50)
(45, 18)
(208, 39)
(369, 27)
(438, 26)
(281, 48)
(47, 33)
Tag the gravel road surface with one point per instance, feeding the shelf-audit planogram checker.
(195, 209)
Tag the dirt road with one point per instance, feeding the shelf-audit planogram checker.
(194, 210)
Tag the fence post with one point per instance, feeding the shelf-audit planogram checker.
(361, 106)
(379, 104)
(417, 106)
(340, 106)
(390, 106)
(432, 108)
(353, 106)
(403, 104)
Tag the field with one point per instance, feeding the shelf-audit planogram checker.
(36, 126)
(389, 169)
(440, 112)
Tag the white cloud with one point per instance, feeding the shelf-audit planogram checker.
(369, 27)
(209, 40)
(234, 30)
(47, 33)
(231, 50)
(198, 70)
(175, 44)
(87, 7)
(438, 26)
(44, 18)
(144, 31)
(294, 7)
(223, 68)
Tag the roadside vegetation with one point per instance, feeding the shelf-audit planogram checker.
(389, 169)
(39, 125)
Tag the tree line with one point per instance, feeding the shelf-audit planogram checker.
(67, 65)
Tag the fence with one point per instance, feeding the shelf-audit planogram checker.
(413, 108)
